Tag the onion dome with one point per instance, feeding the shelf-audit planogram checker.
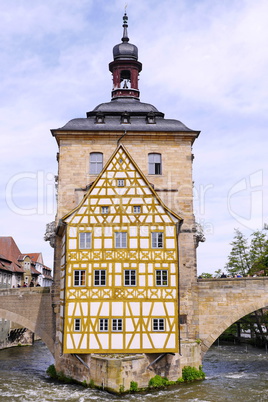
(125, 50)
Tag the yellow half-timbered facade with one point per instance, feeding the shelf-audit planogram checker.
(119, 273)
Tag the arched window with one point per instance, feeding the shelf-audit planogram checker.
(155, 164)
(125, 79)
(96, 162)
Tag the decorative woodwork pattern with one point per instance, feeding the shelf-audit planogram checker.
(137, 305)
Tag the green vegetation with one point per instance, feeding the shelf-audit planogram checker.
(134, 386)
(51, 371)
(190, 374)
(248, 257)
(157, 382)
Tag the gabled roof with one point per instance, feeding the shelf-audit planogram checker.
(119, 154)
(9, 248)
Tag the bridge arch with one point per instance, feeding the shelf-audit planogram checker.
(26, 323)
(32, 309)
(223, 303)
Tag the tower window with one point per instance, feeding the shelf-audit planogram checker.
(120, 239)
(121, 183)
(130, 277)
(161, 276)
(105, 210)
(79, 278)
(155, 164)
(157, 239)
(100, 277)
(158, 324)
(77, 324)
(96, 162)
(125, 79)
(103, 324)
(137, 209)
(84, 240)
(117, 324)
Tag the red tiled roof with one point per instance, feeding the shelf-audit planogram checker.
(9, 248)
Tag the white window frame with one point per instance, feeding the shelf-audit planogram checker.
(79, 277)
(105, 210)
(158, 324)
(137, 209)
(95, 162)
(155, 163)
(120, 182)
(157, 239)
(117, 325)
(130, 277)
(85, 240)
(77, 324)
(103, 325)
(100, 277)
(120, 239)
(161, 277)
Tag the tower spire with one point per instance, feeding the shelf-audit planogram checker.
(125, 26)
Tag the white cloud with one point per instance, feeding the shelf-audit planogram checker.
(204, 63)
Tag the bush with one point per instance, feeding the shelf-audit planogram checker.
(134, 386)
(51, 371)
(191, 373)
(158, 382)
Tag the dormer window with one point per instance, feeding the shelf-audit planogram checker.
(99, 118)
(125, 118)
(150, 118)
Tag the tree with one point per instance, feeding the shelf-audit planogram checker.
(239, 258)
(259, 253)
(247, 259)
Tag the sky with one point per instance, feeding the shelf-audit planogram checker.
(205, 63)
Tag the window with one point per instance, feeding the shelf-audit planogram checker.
(137, 209)
(117, 324)
(120, 239)
(120, 182)
(96, 162)
(161, 277)
(103, 324)
(79, 278)
(104, 210)
(157, 239)
(100, 277)
(130, 277)
(158, 324)
(77, 324)
(84, 240)
(155, 165)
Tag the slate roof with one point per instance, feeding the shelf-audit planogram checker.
(112, 113)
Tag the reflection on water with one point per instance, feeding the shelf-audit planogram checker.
(234, 373)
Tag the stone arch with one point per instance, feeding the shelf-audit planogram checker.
(31, 325)
(229, 319)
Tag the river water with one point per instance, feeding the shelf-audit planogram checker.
(234, 373)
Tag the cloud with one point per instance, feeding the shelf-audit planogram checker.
(204, 63)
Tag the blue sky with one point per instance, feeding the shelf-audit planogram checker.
(205, 63)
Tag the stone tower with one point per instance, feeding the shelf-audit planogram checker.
(125, 247)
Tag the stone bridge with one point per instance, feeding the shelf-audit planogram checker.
(33, 309)
(221, 302)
